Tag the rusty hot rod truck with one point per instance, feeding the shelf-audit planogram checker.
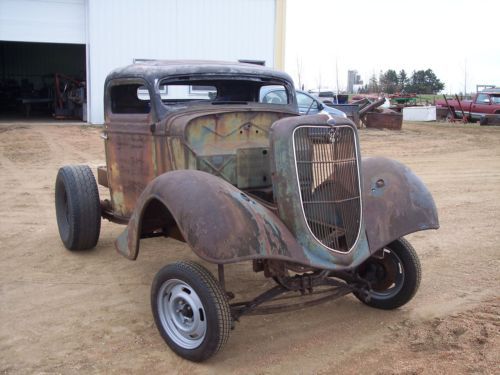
(196, 153)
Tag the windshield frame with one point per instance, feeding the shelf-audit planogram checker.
(212, 79)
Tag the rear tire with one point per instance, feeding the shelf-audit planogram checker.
(394, 273)
(190, 310)
(78, 209)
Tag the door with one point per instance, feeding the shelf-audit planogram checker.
(129, 143)
(481, 105)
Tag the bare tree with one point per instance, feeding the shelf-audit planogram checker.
(319, 82)
(299, 71)
(373, 86)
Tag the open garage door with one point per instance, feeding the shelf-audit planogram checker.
(42, 80)
(42, 58)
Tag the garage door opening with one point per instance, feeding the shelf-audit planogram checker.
(41, 81)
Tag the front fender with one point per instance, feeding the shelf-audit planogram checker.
(395, 202)
(219, 222)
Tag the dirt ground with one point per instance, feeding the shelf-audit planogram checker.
(89, 312)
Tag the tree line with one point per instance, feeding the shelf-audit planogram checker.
(390, 82)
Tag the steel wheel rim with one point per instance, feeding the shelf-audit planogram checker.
(182, 314)
(398, 282)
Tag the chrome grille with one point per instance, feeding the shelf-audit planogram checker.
(328, 178)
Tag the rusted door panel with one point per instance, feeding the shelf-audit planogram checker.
(395, 202)
(131, 159)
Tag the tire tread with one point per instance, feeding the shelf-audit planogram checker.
(408, 255)
(217, 295)
(85, 212)
(223, 309)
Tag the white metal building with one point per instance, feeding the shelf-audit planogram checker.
(89, 38)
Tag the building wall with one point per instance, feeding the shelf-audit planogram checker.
(121, 30)
(50, 21)
(116, 32)
(279, 34)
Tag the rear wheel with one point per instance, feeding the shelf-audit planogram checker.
(190, 310)
(394, 274)
(78, 208)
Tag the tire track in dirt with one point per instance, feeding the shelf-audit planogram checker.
(465, 342)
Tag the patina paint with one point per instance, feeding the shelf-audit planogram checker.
(159, 158)
(286, 187)
(129, 143)
(224, 226)
(396, 202)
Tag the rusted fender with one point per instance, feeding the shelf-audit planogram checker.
(219, 222)
(395, 202)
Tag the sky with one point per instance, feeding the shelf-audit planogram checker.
(459, 40)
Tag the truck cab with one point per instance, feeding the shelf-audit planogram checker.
(189, 115)
(486, 102)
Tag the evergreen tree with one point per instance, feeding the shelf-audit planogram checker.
(424, 82)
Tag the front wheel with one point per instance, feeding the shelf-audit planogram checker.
(190, 310)
(394, 274)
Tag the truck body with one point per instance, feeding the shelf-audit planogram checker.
(486, 102)
(197, 151)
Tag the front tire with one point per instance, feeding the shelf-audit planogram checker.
(190, 310)
(394, 274)
(78, 208)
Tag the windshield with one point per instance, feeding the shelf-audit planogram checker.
(223, 91)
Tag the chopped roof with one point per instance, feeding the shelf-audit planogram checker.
(163, 68)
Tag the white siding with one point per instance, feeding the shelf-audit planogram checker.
(51, 21)
(121, 30)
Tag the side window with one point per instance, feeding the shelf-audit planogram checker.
(307, 104)
(273, 95)
(483, 99)
(143, 93)
(304, 100)
(130, 98)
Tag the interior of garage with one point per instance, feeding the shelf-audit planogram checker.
(41, 81)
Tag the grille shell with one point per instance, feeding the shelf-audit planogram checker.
(327, 167)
